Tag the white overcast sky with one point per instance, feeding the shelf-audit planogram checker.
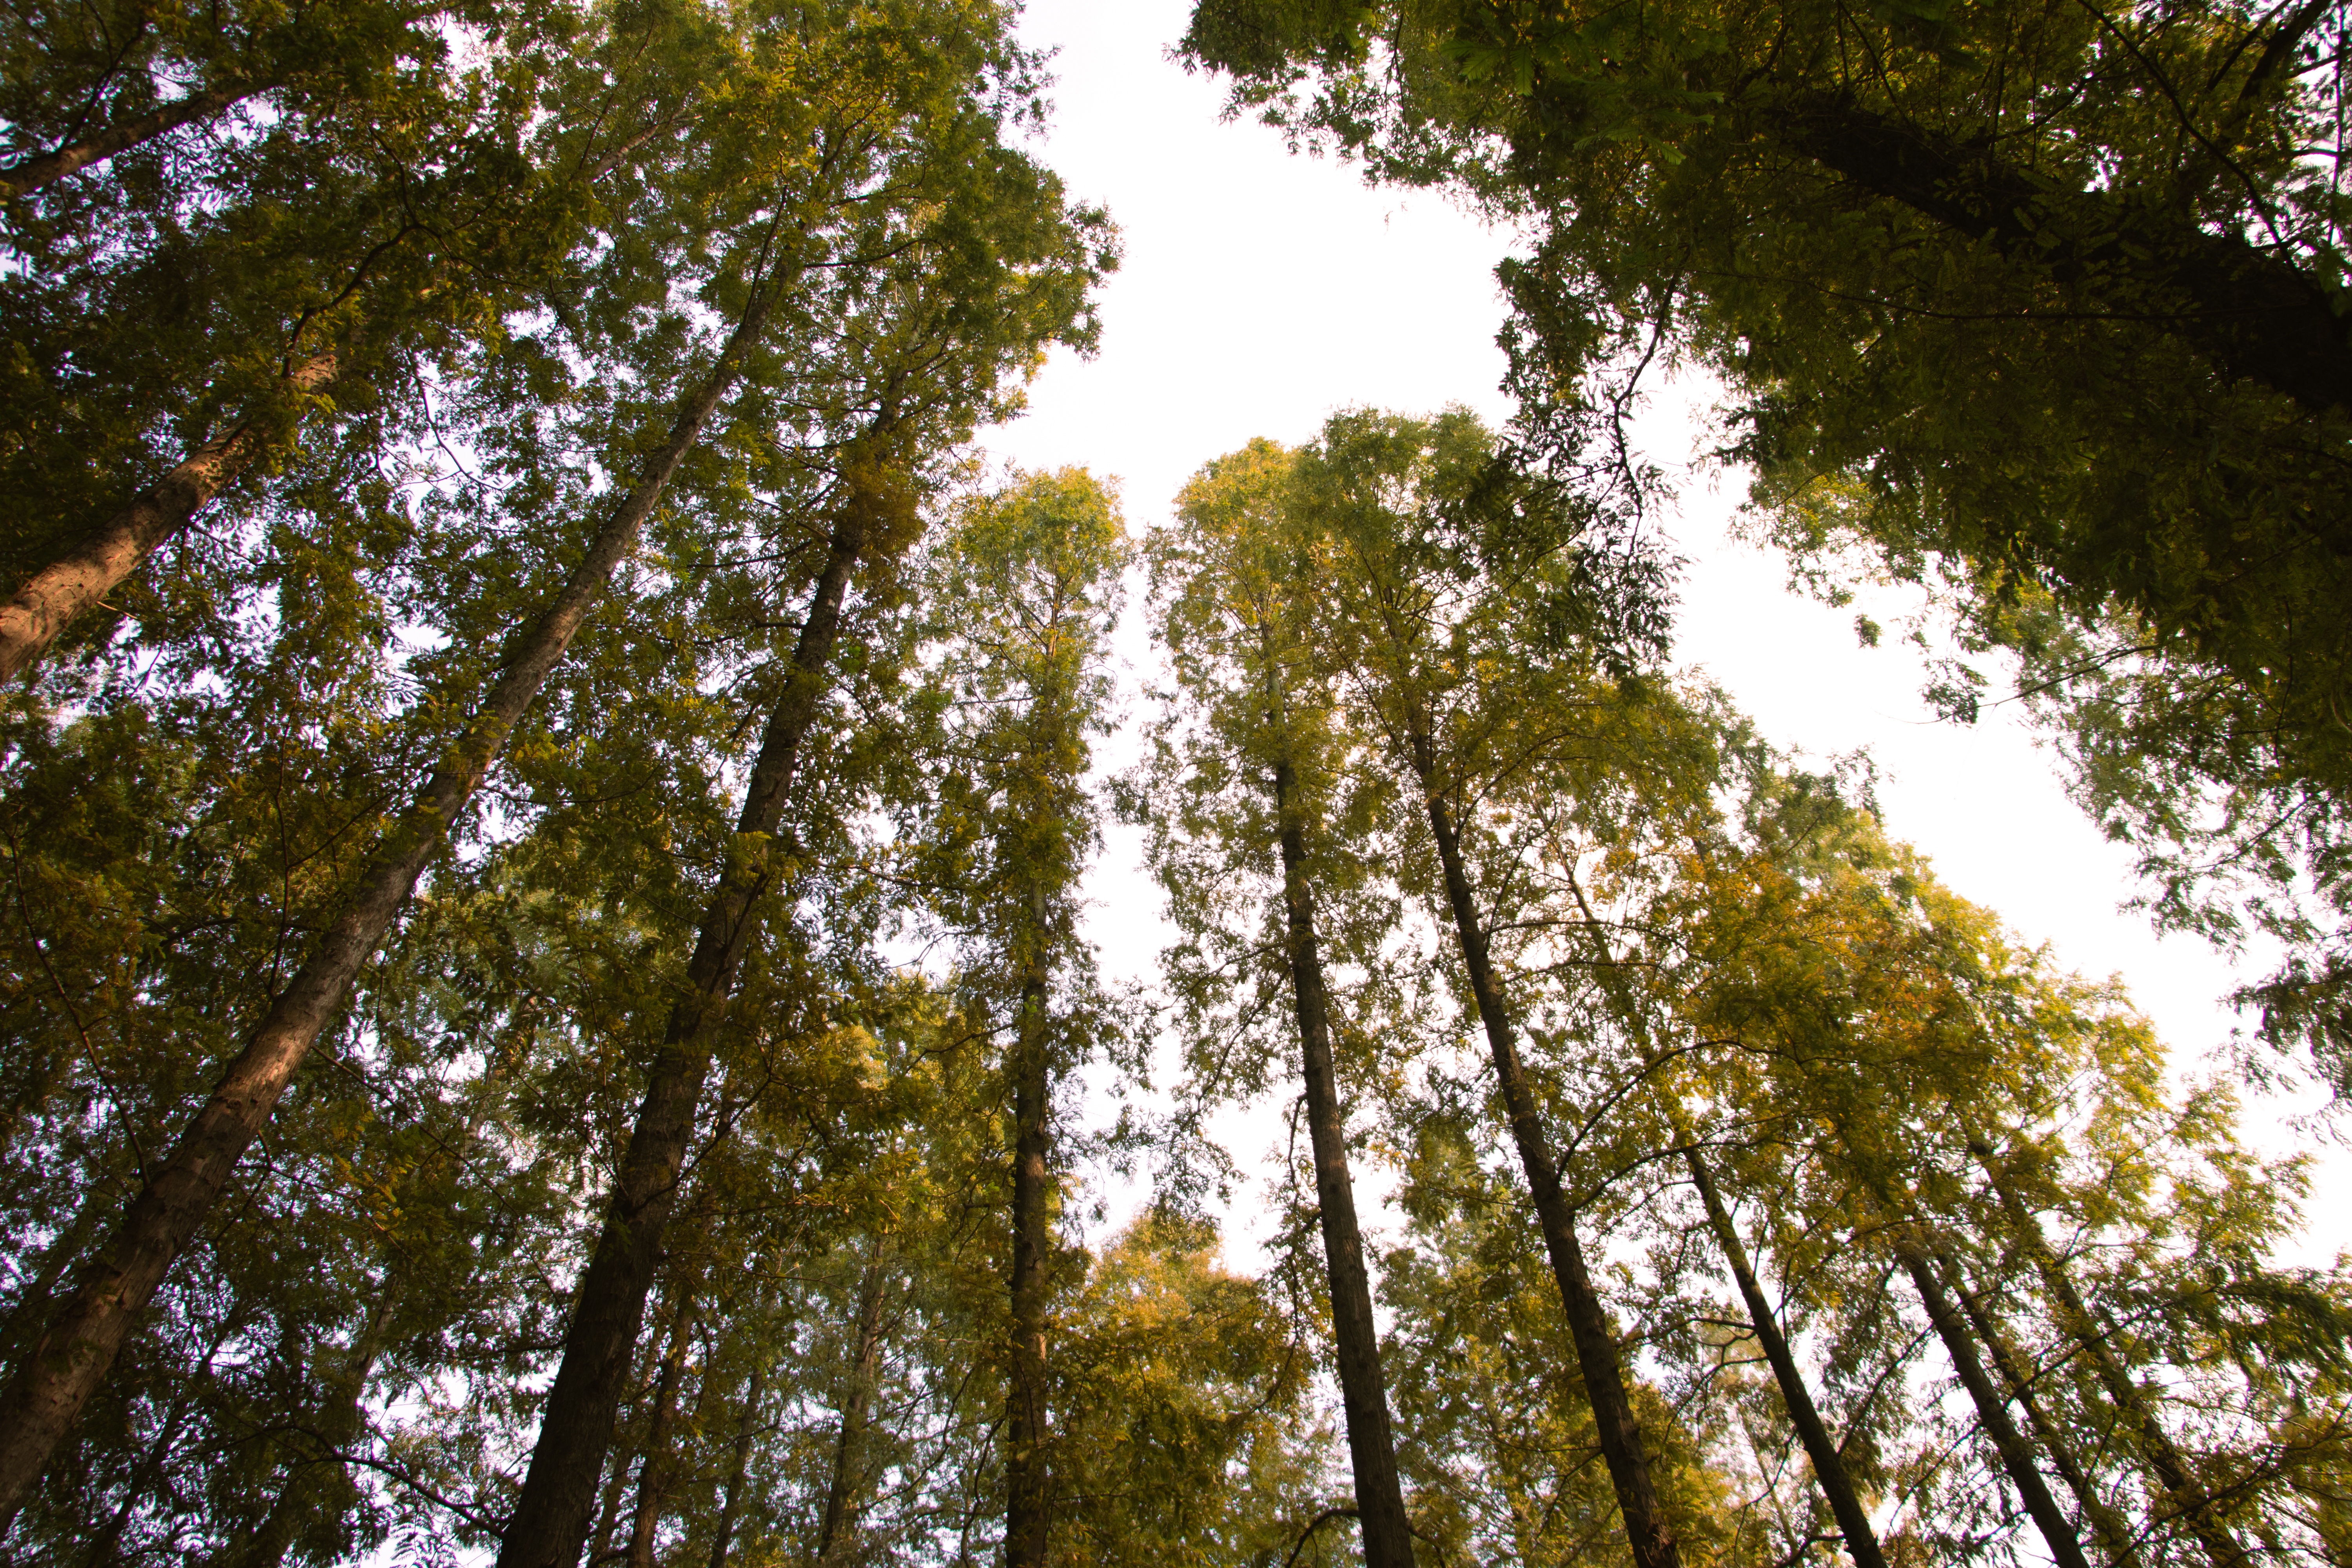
(1261, 291)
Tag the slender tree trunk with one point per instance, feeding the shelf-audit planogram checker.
(1363, 1390)
(1025, 1479)
(30, 174)
(551, 1517)
(2114, 1535)
(856, 1400)
(301, 1496)
(2187, 1499)
(2016, 1456)
(1621, 1444)
(723, 1537)
(1829, 1465)
(601, 1548)
(57, 1378)
(49, 600)
(654, 1475)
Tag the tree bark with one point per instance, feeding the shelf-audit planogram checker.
(856, 1400)
(1025, 1477)
(49, 600)
(1828, 1464)
(2187, 1499)
(30, 174)
(60, 1375)
(339, 1421)
(1621, 1443)
(1363, 1389)
(2246, 312)
(2016, 1456)
(2114, 1535)
(653, 1475)
(551, 1517)
(723, 1537)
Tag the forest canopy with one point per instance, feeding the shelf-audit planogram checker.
(550, 797)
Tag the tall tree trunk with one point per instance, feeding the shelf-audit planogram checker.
(49, 600)
(1828, 1459)
(303, 1495)
(1621, 1444)
(856, 1401)
(2114, 1535)
(2016, 1456)
(27, 176)
(1363, 1390)
(559, 1491)
(1025, 1479)
(653, 1476)
(723, 1537)
(2187, 1499)
(2245, 309)
(57, 1378)
(1828, 1464)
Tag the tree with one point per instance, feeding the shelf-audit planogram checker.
(1257, 732)
(2124, 222)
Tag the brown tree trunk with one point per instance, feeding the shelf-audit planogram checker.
(1621, 1444)
(1363, 1389)
(558, 1493)
(2016, 1456)
(2248, 312)
(49, 600)
(30, 174)
(1026, 1477)
(57, 1378)
(723, 1537)
(2114, 1535)
(856, 1400)
(303, 1494)
(2187, 1499)
(1828, 1464)
(653, 1476)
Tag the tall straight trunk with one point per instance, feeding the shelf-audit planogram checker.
(654, 1474)
(1363, 1390)
(1621, 1444)
(2016, 1456)
(1828, 1464)
(551, 1517)
(1025, 1483)
(730, 1508)
(49, 600)
(856, 1401)
(2187, 1499)
(29, 175)
(307, 1489)
(2114, 1535)
(63, 1370)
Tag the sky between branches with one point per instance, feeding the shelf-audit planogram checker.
(1261, 291)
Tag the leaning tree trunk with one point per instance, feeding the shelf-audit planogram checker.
(2188, 1500)
(1363, 1390)
(857, 1399)
(731, 1509)
(49, 600)
(551, 1518)
(29, 175)
(2018, 1378)
(2016, 1454)
(1026, 1480)
(1828, 1463)
(1621, 1443)
(65, 1367)
(311, 1490)
(653, 1476)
